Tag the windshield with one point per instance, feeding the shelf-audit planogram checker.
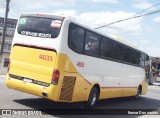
(39, 27)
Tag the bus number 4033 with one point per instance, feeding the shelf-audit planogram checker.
(45, 57)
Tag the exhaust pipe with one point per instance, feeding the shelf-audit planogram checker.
(44, 94)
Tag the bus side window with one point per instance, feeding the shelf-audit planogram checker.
(141, 64)
(76, 37)
(127, 54)
(92, 44)
(147, 66)
(118, 52)
(133, 58)
(106, 48)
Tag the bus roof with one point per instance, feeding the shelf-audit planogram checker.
(60, 17)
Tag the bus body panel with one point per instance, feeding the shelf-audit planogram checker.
(32, 63)
(55, 93)
(115, 79)
(123, 75)
(71, 91)
(144, 87)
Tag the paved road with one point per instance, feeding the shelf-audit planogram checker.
(11, 99)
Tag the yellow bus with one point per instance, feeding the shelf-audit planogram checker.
(57, 58)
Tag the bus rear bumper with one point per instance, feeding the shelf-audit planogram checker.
(50, 92)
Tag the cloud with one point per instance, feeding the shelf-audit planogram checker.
(30, 5)
(2, 9)
(95, 19)
(143, 5)
(106, 1)
(71, 13)
(152, 50)
(2, 12)
(130, 31)
(126, 30)
(18, 7)
(157, 19)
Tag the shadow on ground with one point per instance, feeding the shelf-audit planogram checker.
(117, 106)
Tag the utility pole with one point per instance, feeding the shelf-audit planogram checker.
(4, 32)
(4, 26)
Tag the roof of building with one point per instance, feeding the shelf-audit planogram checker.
(155, 59)
(9, 20)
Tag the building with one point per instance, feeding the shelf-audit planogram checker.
(155, 62)
(155, 69)
(10, 28)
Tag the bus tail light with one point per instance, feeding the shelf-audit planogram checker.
(55, 76)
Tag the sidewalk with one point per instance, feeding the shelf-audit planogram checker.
(156, 84)
(2, 76)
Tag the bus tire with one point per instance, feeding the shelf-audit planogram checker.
(93, 98)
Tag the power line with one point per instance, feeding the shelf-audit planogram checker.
(148, 8)
(133, 15)
(150, 13)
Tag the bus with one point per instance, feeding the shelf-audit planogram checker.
(57, 58)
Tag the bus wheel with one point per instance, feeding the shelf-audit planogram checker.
(93, 97)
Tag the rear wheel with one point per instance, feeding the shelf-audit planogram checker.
(93, 97)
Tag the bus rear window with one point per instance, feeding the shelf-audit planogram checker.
(39, 27)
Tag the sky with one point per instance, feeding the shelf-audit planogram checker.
(141, 32)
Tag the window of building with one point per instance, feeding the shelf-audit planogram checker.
(10, 32)
(6, 62)
(7, 46)
(1, 24)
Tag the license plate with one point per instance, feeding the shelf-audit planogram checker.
(27, 80)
